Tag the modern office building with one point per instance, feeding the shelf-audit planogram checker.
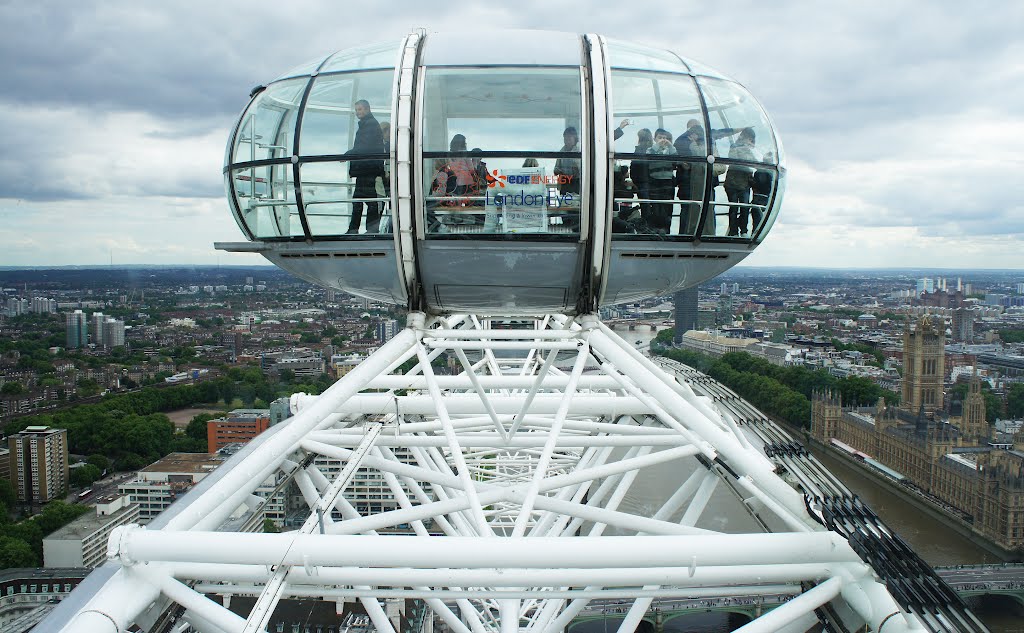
(83, 542)
(16, 307)
(113, 333)
(387, 329)
(77, 330)
(41, 305)
(963, 325)
(96, 321)
(686, 312)
(39, 464)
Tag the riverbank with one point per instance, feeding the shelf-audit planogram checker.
(919, 502)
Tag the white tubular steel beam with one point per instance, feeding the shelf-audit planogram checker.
(135, 544)
(789, 517)
(477, 594)
(740, 459)
(541, 470)
(468, 485)
(271, 595)
(482, 393)
(606, 405)
(114, 609)
(521, 440)
(795, 608)
(700, 499)
(527, 335)
(194, 601)
(539, 380)
(500, 345)
(635, 614)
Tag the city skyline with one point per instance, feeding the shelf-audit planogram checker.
(898, 120)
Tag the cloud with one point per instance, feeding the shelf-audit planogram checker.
(901, 120)
(75, 153)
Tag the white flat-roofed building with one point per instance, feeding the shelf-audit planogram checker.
(160, 484)
(83, 542)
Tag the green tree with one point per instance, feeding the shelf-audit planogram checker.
(1012, 336)
(12, 389)
(88, 387)
(1015, 401)
(197, 426)
(131, 461)
(270, 527)
(99, 461)
(7, 494)
(57, 514)
(27, 531)
(16, 553)
(84, 476)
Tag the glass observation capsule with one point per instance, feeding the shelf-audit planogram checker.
(540, 172)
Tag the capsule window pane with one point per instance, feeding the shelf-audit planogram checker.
(655, 197)
(266, 200)
(698, 68)
(491, 195)
(381, 55)
(762, 185)
(330, 122)
(305, 68)
(267, 129)
(232, 201)
(501, 109)
(652, 101)
(338, 203)
(739, 200)
(731, 109)
(776, 204)
(629, 55)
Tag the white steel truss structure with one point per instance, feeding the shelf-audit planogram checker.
(508, 478)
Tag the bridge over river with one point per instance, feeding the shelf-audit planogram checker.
(967, 580)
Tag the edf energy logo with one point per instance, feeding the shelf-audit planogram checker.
(496, 180)
(528, 179)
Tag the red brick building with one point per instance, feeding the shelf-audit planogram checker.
(240, 426)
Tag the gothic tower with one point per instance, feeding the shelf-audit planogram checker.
(973, 424)
(826, 408)
(923, 366)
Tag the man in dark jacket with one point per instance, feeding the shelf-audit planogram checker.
(369, 140)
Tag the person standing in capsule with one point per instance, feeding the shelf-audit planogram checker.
(368, 140)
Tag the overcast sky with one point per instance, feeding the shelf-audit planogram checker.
(903, 121)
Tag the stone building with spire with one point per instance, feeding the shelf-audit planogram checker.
(948, 453)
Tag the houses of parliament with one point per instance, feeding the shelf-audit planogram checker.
(947, 450)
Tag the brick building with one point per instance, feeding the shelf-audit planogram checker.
(238, 427)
